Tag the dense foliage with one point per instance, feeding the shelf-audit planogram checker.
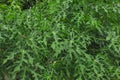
(59, 40)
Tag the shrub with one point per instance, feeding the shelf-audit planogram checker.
(60, 40)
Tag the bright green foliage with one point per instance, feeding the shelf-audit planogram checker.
(60, 40)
